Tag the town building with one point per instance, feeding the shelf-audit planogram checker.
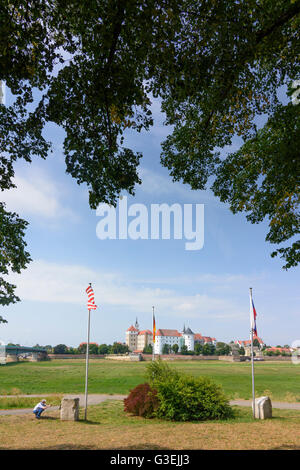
(199, 339)
(247, 346)
(279, 350)
(247, 343)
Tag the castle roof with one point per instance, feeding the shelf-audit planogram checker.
(189, 332)
(132, 328)
(144, 332)
(198, 336)
(161, 332)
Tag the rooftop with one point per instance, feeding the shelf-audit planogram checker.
(132, 328)
(189, 332)
(161, 332)
(198, 336)
(248, 341)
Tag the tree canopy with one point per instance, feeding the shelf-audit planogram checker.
(92, 66)
(60, 349)
(13, 255)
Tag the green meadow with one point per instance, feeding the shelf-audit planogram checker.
(280, 380)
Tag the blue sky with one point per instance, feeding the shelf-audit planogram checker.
(207, 290)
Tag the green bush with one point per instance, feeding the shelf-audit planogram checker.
(185, 398)
(159, 371)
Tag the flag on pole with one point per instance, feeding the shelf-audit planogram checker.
(253, 316)
(91, 299)
(154, 328)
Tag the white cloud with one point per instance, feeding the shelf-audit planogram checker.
(38, 195)
(49, 282)
(158, 184)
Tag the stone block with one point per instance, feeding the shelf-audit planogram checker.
(263, 408)
(12, 358)
(69, 409)
(35, 357)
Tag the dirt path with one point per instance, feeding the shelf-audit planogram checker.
(95, 399)
(275, 404)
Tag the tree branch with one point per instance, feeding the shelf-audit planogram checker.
(116, 33)
(246, 56)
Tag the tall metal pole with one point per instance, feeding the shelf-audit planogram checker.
(252, 354)
(153, 334)
(87, 365)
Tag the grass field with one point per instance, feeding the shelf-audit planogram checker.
(14, 402)
(279, 380)
(108, 427)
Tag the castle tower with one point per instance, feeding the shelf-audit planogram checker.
(189, 339)
(132, 338)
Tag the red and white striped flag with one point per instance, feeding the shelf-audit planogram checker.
(91, 299)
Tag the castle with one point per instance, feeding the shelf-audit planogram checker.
(137, 340)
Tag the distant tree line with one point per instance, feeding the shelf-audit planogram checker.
(94, 348)
(221, 349)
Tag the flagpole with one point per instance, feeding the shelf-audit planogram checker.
(153, 342)
(87, 363)
(252, 353)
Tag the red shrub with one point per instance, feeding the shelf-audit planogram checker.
(142, 401)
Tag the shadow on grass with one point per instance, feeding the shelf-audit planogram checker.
(89, 422)
(141, 447)
(69, 446)
(80, 420)
(286, 447)
(48, 418)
